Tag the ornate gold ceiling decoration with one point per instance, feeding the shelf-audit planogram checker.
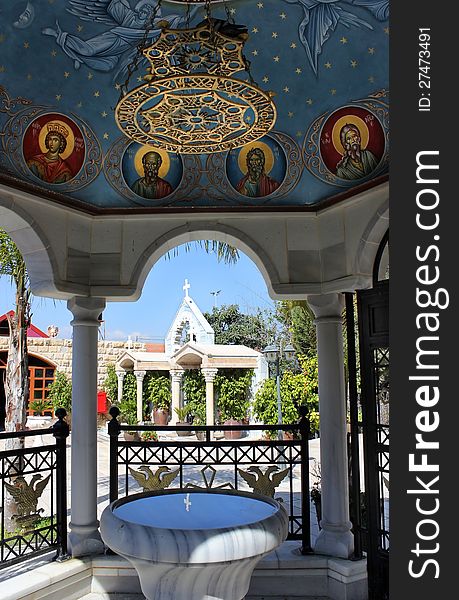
(192, 102)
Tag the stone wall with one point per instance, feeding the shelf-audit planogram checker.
(59, 352)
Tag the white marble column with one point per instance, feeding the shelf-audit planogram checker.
(335, 537)
(176, 380)
(120, 375)
(139, 376)
(84, 537)
(209, 376)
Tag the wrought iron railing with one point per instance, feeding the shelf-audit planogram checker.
(33, 488)
(278, 468)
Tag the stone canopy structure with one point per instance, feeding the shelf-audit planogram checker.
(189, 344)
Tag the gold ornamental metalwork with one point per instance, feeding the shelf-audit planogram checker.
(191, 102)
(149, 481)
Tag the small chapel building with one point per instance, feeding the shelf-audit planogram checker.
(189, 344)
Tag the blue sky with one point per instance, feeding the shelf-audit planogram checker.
(151, 316)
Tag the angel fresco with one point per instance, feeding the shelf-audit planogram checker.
(321, 18)
(117, 46)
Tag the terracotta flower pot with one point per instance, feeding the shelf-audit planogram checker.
(160, 416)
(232, 435)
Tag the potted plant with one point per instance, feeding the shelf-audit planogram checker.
(149, 436)
(194, 387)
(159, 394)
(128, 416)
(198, 412)
(234, 391)
(182, 413)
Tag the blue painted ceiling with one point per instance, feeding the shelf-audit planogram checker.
(316, 55)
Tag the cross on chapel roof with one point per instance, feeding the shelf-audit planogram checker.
(186, 287)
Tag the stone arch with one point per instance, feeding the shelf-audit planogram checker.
(196, 231)
(370, 241)
(33, 245)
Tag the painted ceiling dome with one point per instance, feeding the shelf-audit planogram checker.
(63, 65)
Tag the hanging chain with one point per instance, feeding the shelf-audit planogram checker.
(141, 46)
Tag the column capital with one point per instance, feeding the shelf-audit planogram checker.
(209, 374)
(120, 374)
(86, 310)
(140, 374)
(327, 307)
(176, 375)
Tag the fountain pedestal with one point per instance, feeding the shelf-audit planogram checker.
(201, 545)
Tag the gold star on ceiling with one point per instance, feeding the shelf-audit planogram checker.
(333, 92)
(276, 59)
(117, 86)
(90, 76)
(96, 94)
(106, 136)
(343, 40)
(80, 104)
(26, 45)
(309, 101)
(53, 53)
(299, 134)
(255, 30)
(265, 79)
(58, 97)
(290, 114)
(232, 11)
(293, 45)
(371, 50)
(140, 78)
(255, 52)
(80, 28)
(260, 5)
(328, 65)
(283, 16)
(371, 79)
(29, 76)
(103, 114)
(66, 74)
(274, 34)
(298, 71)
(354, 63)
(286, 89)
(386, 30)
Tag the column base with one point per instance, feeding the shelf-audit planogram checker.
(335, 540)
(85, 541)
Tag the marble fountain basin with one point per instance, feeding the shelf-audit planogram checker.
(194, 544)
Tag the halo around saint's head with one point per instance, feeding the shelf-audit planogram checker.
(349, 120)
(269, 156)
(61, 128)
(165, 165)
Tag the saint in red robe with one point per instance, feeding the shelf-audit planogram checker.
(264, 186)
(51, 171)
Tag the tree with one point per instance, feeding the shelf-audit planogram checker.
(13, 266)
(299, 320)
(233, 327)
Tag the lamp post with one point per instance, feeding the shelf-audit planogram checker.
(273, 355)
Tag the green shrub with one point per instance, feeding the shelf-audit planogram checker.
(194, 388)
(300, 389)
(234, 394)
(158, 391)
(111, 384)
(60, 392)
